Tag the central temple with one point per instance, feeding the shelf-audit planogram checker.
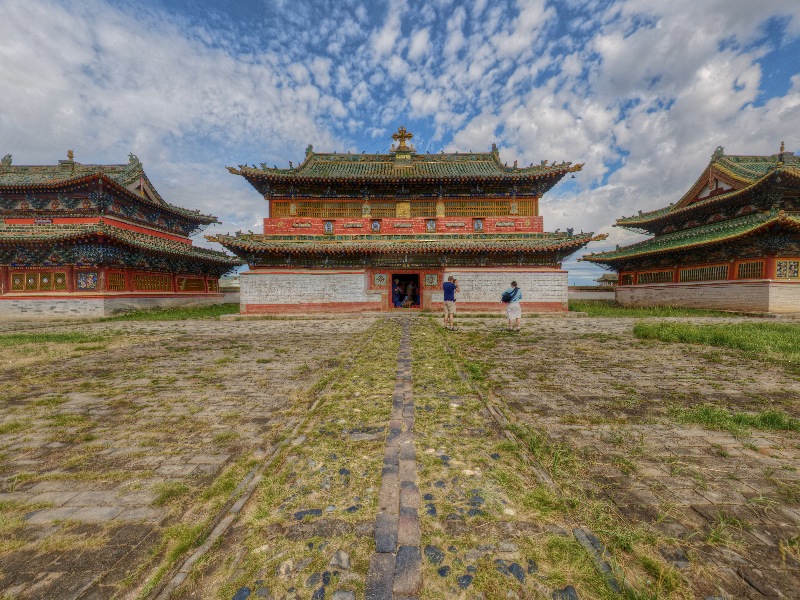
(344, 232)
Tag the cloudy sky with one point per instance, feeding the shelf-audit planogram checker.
(640, 91)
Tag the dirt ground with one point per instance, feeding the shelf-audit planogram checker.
(541, 458)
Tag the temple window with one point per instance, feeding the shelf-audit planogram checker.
(750, 270)
(116, 282)
(38, 281)
(655, 277)
(711, 273)
(191, 284)
(151, 282)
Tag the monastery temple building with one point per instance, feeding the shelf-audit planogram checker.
(343, 228)
(732, 242)
(89, 240)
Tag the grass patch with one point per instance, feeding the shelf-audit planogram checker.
(179, 313)
(608, 308)
(714, 417)
(225, 438)
(776, 341)
(73, 337)
(168, 491)
(11, 426)
(556, 457)
(476, 370)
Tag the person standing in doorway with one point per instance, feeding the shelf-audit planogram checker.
(397, 294)
(512, 297)
(450, 287)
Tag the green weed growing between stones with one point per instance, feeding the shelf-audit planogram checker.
(71, 337)
(608, 308)
(773, 342)
(713, 417)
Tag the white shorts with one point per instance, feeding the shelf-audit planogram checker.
(514, 310)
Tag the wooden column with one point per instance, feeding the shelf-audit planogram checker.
(4, 283)
(129, 283)
(769, 267)
(732, 270)
(71, 278)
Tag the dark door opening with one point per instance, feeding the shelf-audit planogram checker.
(405, 291)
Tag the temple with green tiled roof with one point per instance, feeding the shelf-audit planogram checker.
(89, 240)
(345, 231)
(732, 242)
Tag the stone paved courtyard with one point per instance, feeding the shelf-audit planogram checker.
(342, 458)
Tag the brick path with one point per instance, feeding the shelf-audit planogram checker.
(724, 507)
(395, 567)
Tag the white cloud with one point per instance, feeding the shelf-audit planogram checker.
(419, 45)
(642, 92)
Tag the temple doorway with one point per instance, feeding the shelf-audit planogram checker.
(405, 290)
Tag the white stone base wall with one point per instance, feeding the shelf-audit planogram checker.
(287, 291)
(745, 296)
(545, 289)
(592, 295)
(63, 307)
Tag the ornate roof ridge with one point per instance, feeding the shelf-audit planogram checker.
(674, 209)
(69, 172)
(146, 241)
(704, 234)
(401, 157)
(535, 242)
(389, 159)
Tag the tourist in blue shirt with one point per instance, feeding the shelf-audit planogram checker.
(512, 297)
(450, 287)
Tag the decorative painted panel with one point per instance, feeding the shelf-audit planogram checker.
(86, 281)
(431, 280)
(380, 279)
(787, 269)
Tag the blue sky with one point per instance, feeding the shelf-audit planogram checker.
(642, 92)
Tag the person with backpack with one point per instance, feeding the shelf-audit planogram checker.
(511, 298)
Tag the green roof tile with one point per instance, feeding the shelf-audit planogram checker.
(377, 244)
(33, 234)
(696, 236)
(126, 176)
(415, 166)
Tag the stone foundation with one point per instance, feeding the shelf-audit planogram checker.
(312, 291)
(744, 296)
(60, 307)
(543, 289)
(307, 291)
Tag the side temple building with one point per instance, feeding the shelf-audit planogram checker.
(732, 242)
(343, 228)
(89, 240)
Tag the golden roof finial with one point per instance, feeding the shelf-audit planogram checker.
(70, 155)
(783, 147)
(401, 136)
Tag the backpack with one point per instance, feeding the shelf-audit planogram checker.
(508, 296)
